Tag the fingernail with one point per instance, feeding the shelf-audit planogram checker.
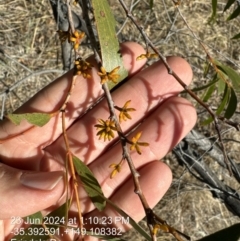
(41, 180)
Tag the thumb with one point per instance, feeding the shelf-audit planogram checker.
(23, 192)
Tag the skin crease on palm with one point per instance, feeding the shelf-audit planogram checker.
(32, 164)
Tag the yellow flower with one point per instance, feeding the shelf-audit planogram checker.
(82, 67)
(124, 115)
(147, 56)
(112, 76)
(76, 38)
(135, 143)
(106, 129)
(116, 168)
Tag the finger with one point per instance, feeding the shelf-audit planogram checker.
(85, 93)
(146, 90)
(37, 190)
(155, 179)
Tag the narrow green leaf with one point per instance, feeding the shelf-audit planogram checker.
(207, 66)
(225, 100)
(151, 3)
(213, 82)
(232, 105)
(110, 50)
(131, 221)
(221, 85)
(38, 119)
(234, 14)
(221, 107)
(237, 36)
(34, 218)
(228, 5)
(90, 184)
(232, 75)
(231, 233)
(214, 11)
(208, 93)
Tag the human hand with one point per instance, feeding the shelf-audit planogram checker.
(32, 163)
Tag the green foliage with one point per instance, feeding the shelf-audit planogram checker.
(227, 82)
(229, 4)
(214, 11)
(231, 74)
(151, 3)
(90, 184)
(231, 233)
(38, 119)
(110, 51)
(237, 36)
(232, 105)
(234, 14)
(209, 92)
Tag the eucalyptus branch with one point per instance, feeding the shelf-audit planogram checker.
(226, 159)
(179, 80)
(126, 155)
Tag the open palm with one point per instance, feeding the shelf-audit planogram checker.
(32, 163)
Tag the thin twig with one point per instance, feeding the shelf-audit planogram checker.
(127, 156)
(180, 81)
(70, 19)
(70, 162)
(69, 154)
(222, 76)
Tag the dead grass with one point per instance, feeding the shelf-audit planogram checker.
(30, 45)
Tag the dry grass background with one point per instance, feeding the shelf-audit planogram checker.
(32, 59)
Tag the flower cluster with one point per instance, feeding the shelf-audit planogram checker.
(109, 76)
(124, 115)
(116, 168)
(82, 68)
(106, 129)
(135, 143)
(76, 38)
